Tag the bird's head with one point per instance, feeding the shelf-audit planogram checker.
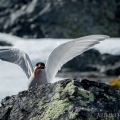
(39, 66)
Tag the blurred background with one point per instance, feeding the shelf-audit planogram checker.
(38, 26)
(59, 18)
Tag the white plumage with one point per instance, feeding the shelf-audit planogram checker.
(59, 56)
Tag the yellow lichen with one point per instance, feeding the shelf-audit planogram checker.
(115, 83)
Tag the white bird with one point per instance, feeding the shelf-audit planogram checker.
(42, 73)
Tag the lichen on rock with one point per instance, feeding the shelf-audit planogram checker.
(63, 100)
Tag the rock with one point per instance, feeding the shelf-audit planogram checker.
(109, 59)
(113, 70)
(93, 60)
(3, 43)
(87, 61)
(63, 100)
(59, 18)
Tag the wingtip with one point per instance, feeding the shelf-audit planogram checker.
(100, 37)
(103, 37)
(107, 36)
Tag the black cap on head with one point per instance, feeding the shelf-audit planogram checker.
(41, 63)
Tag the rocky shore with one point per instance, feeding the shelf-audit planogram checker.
(63, 100)
(59, 18)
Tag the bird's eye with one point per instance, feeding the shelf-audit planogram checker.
(40, 63)
(42, 67)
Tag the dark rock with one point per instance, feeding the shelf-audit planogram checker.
(67, 99)
(113, 70)
(93, 60)
(109, 59)
(3, 43)
(87, 61)
(59, 18)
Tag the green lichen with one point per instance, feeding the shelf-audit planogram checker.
(59, 89)
(110, 98)
(72, 117)
(83, 103)
(70, 88)
(59, 103)
(56, 96)
(91, 118)
(41, 104)
(35, 118)
(60, 106)
(101, 105)
(86, 94)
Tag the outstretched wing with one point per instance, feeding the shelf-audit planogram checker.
(18, 57)
(68, 51)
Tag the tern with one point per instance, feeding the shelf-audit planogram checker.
(45, 73)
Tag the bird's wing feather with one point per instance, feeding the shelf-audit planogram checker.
(18, 57)
(68, 51)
